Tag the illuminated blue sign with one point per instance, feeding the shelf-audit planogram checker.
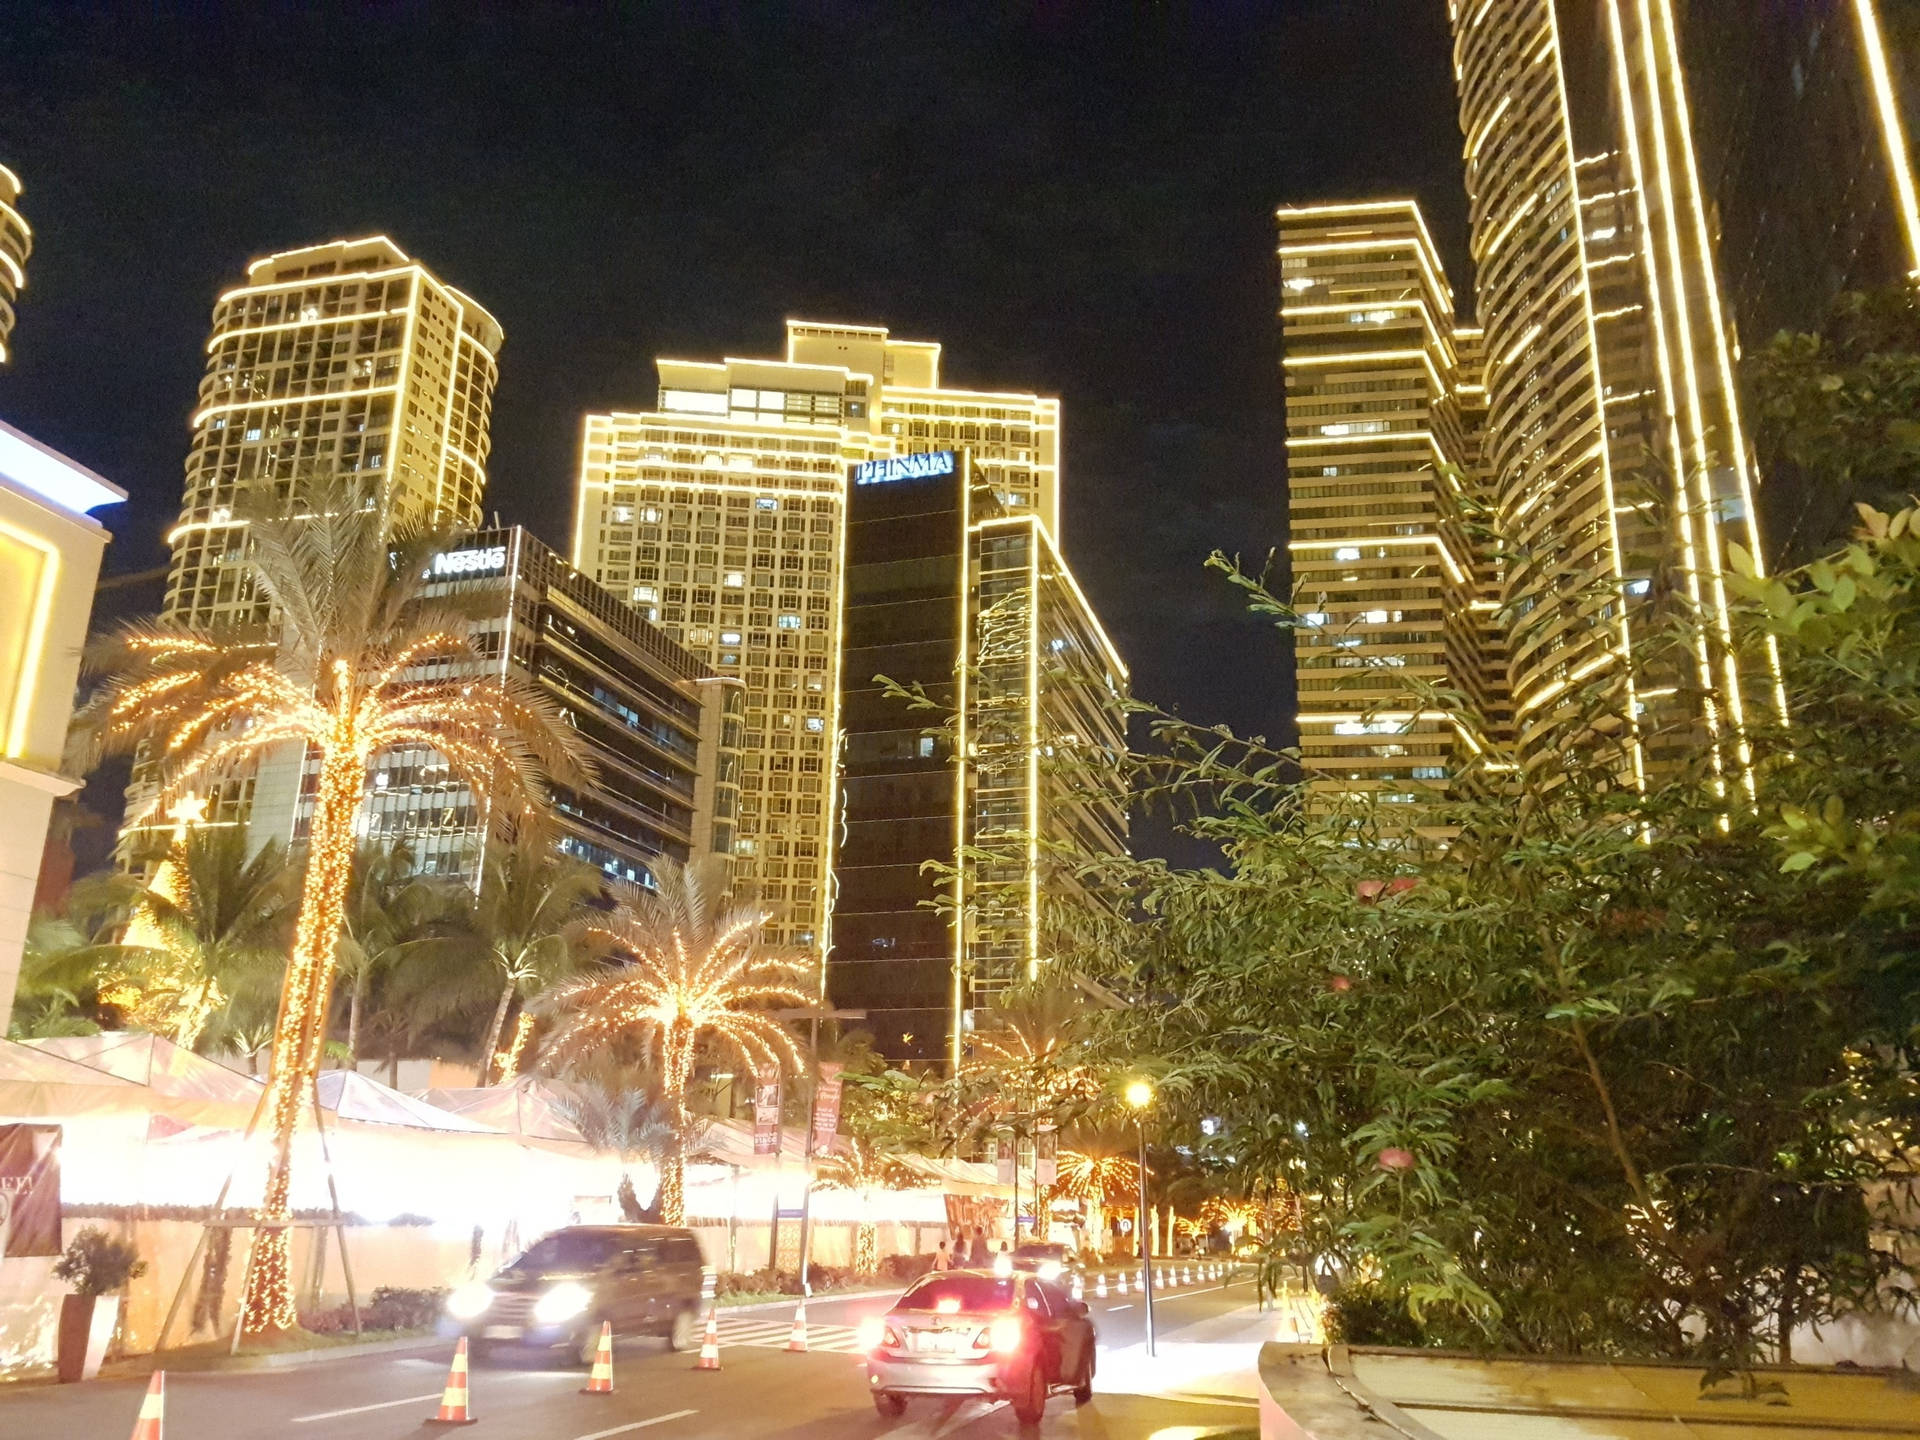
(904, 467)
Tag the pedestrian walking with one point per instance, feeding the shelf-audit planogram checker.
(941, 1259)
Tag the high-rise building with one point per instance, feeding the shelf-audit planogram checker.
(16, 243)
(988, 798)
(661, 730)
(1615, 451)
(1384, 410)
(344, 363)
(719, 514)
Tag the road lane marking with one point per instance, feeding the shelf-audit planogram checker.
(363, 1409)
(1112, 1308)
(638, 1425)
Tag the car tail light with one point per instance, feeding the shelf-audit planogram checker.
(871, 1333)
(1006, 1335)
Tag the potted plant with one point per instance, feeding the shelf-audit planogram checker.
(95, 1265)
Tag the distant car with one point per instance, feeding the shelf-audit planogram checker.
(644, 1279)
(970, 1332)
(1046, 1259)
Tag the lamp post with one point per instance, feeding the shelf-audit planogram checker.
(1139, 1095)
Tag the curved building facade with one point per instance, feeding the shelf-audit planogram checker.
(16, 243)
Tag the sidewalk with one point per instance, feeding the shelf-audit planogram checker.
(1211, 1359)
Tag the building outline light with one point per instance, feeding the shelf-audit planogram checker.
(38, 624)
(1892, 129)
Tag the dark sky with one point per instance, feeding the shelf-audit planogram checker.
(1073, 198)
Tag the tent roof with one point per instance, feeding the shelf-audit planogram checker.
(353, 1096)
(531, 1105)
(153, 1060)
(31, 1065)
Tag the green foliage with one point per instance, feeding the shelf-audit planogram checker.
(96, 1263)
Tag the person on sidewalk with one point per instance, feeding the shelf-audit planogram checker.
(941, 1259)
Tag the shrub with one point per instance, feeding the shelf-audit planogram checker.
(387, 1308)
(903, 1268)
(98, 1264)
(1359, 1313)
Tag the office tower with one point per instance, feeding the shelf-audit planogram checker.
(1008, 780)
(1614, 442)
(349, 363)
(50, 551)
(719, 514)
(1384, 410)
(659, 727)
(16, 243)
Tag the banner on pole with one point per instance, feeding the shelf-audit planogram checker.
(1046, 1153)
(826, 1107)
(766, 1111)
(29, 1190)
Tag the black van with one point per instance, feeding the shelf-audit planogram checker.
(644, 1279)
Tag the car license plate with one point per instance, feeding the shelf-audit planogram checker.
(500, 1332)
(936, 1342)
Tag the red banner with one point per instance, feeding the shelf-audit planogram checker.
(30, 1189)
(766, 1111)
(826, 1107)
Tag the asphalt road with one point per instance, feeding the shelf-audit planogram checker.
(760, 1391)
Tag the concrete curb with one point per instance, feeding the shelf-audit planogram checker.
(788, 1304)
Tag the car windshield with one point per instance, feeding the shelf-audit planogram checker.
(1041, 1252)
(954, 1293)
(568, 1250)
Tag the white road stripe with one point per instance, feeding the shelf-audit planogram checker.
(1112, 1308)
(638, 1425)
(363, 1409)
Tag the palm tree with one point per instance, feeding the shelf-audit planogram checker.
(394, 916)
(362, 663)
(689, 968)
(1027, 1051)
(619, 1108)
(864, 1169)
(211, 924)
(534, 920)
(67, 953)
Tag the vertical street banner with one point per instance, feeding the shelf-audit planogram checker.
(766, 1111)
(826, 1108)
(29, 1190)
(1046, 1156)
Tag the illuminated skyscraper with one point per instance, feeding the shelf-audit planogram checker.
(1614, 445)
(348, 362)
(1383, 414)
(721, 514)
(16, 243)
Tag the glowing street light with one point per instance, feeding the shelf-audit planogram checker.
(1139, 1095)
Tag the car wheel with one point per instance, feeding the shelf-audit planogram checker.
(1083, 1388)
(889, 1404)
(1031, 1401)
(685, 1333)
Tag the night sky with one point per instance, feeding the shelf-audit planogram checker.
(1073, 198)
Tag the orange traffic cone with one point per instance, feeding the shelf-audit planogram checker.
(600, 1382)
(797, 1337)
(453, 1401)
(1100, 1286)
(153, 1409)
(1079, 1287)
(710, 1346)
(1122, 1285)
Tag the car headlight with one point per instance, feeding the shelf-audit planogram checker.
(1003, 1264)
(1051, 1270)
(470, 1301)
(562, 1302)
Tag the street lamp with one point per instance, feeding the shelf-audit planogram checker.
(1139, 1095)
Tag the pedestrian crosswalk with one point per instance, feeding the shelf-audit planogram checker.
(771, 1330)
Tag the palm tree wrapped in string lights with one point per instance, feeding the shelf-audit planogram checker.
(358, 661)
(689, 968)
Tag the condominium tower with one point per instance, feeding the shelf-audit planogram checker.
(720, 514)
(343, 364)
(16, 243)
(1384, 405)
